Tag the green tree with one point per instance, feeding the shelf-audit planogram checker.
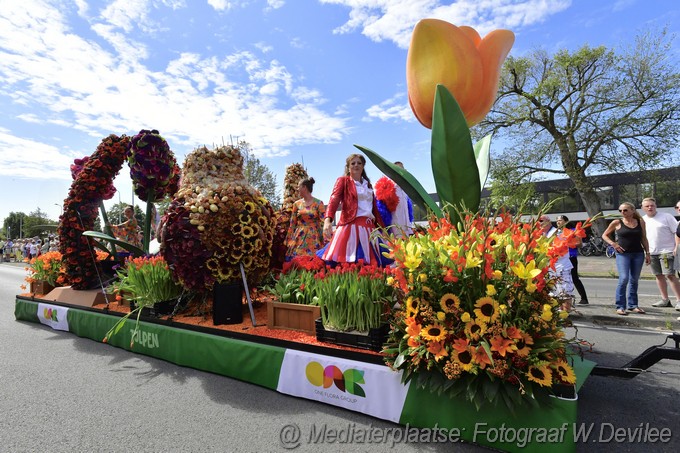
(38, 224)
(116, 216)
(13, 225)
(259, 175)
(587, 112)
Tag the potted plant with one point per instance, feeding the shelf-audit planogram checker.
(147, 282)
(45, 272)
(355, 300)
(295, 289)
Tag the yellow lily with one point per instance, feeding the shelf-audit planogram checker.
(413, 256)
(528, 272)
(458, 58)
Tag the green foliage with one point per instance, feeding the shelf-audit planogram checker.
(259, 175)
(588, 111)
(294, 287)
(453, 159)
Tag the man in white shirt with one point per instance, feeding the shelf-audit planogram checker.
(661, 229)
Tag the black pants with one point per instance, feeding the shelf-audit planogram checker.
(578, 284)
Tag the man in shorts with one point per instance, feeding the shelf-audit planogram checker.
(661, 228)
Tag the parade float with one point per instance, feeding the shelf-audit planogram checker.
(471, 335)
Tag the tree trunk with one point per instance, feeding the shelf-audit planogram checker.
(592, 204)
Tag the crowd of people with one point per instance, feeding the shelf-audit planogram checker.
(651, 239)
(27, 248)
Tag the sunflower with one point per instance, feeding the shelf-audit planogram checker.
(565, 372)
(540, 374)
(250, 207)
(247, 261)
(524, 344)
(474, 329)
(244, 218)
(248, 231)
(237, 229)
(433, 332)
(449, 302)
(486, 309)
(412, 304)
(464, 358)
(428, 294)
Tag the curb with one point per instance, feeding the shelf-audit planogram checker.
(664, 321)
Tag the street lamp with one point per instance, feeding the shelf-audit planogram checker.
(61, 208)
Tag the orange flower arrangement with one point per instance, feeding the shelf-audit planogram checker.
(477, 317)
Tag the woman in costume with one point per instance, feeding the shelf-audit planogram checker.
(129, 230)
(352, 240)
(305, 233)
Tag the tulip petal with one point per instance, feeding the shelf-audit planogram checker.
(454, 167)
(493, 50)
(440, 53)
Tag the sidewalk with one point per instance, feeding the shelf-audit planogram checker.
(601, 310)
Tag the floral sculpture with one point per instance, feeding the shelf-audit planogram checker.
(217, 222)
(294, 174)
(153, 170)
(93, 182)
(477, 318)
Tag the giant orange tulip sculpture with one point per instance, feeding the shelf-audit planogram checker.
(452, 77)
(458, 58)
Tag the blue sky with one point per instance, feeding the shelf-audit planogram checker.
(300, 80)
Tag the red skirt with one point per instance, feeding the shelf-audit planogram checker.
(353, 242)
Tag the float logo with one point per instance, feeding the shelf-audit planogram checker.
(50, 314)
(348, 381)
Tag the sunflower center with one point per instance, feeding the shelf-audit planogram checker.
(537, 373)
(434, 331)
(465, 357)
(487, 309)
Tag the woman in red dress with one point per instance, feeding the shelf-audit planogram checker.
(352, 240)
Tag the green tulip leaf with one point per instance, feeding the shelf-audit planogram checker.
(136, 251)
(409, 184)
(482, 151)
(454, 167)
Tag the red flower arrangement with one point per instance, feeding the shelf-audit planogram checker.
(93, 183)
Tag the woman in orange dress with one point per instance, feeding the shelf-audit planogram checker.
(305, 233)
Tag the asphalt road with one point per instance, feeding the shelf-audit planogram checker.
(62, 393)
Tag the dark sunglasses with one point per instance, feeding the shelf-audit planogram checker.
(623, 210)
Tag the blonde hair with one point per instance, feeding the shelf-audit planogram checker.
(363, 171)
(631, 206)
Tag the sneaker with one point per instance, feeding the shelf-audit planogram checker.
(585, 302)
(677, 306)
(662, 303)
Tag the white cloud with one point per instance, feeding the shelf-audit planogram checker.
(394, 20)
(390, 110)
(220, 5)
(27, 158)
(126, 13)
(102, 85)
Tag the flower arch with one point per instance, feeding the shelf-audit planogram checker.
(92, 184)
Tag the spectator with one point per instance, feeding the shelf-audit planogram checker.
(562, 221)
(632, 250)
(661, 229)
(564, 288)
